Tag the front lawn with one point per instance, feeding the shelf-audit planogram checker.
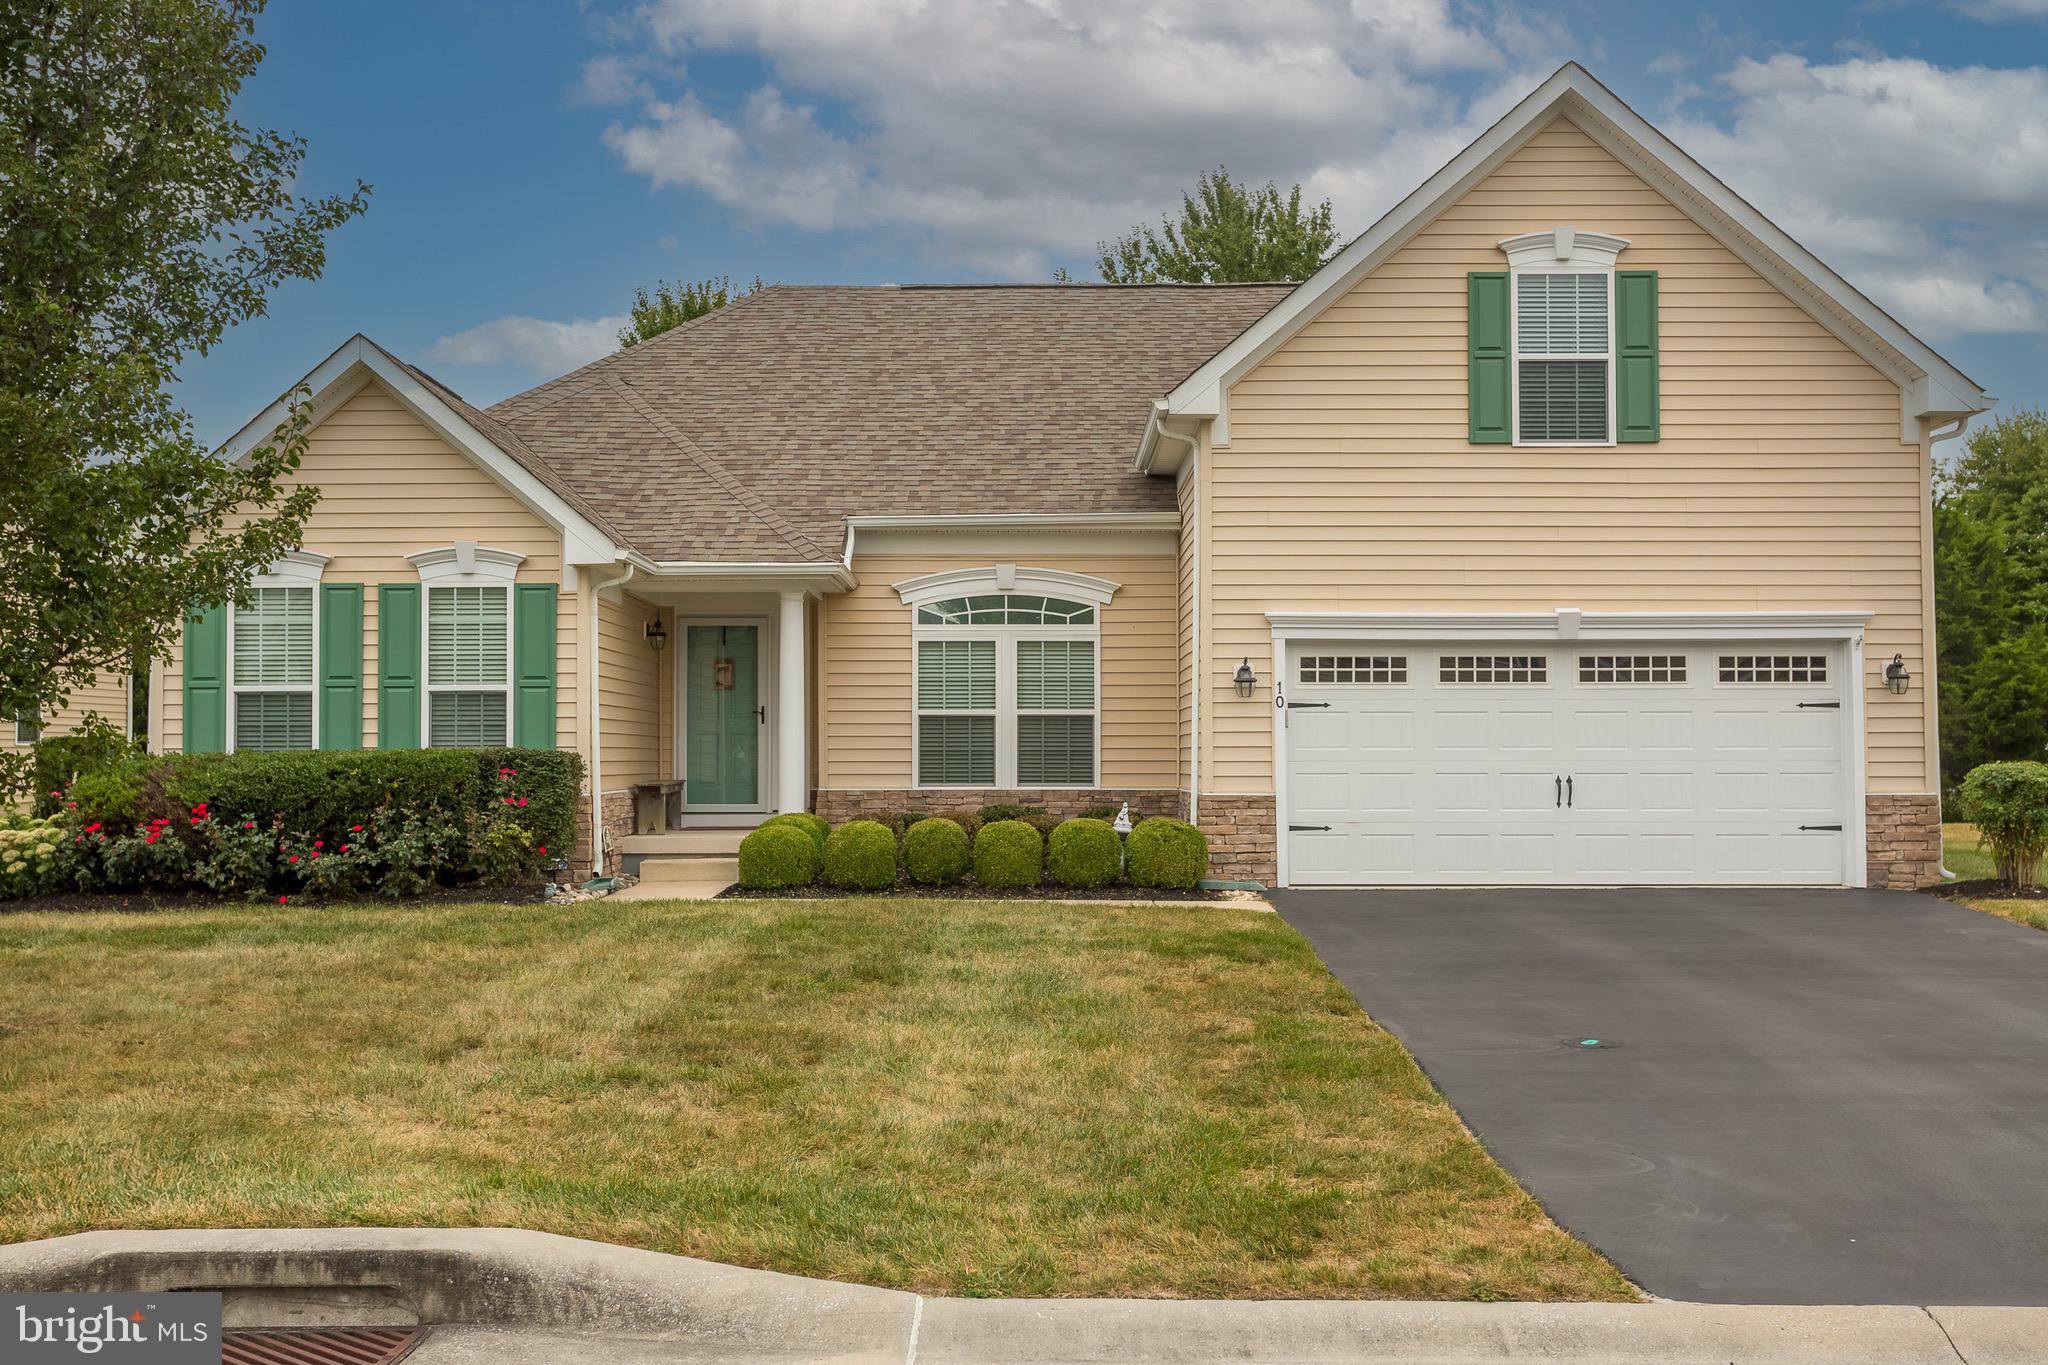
(958, 1097)
(1961, 856)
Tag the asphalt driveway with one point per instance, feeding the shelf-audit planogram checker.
(1798, 1097)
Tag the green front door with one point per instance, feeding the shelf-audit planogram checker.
(721, 706)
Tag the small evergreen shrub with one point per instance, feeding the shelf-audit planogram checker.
(816, 828)
(1168, 854)
(966, 819)
(1084, 853)
(861, 856)
(1045, 825)
(1007, 853)
(936, 852)
(778, 856)
(991, 814)
(62, 759)
(1104, 813)
(2009, 804)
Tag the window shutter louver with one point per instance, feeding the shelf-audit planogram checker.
(1486, 345)
(398, 666)
(206, 676)
(341, 665)
(533, 666)
(1635, 356)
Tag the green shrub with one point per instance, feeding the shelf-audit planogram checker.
(778, 856)
(325, 789)
(815, 828)
(861, 856)
(1044, 824)
(1170, 854)
(936, 852)
(1084, 853)
(966, 819)
(1102, 813)
(2009, 804)
(112, 796)
(33, 855)
(552, 782)
(1008, 853)
(991, 814)
(62, 759)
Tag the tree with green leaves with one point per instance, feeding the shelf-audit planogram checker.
(1991, 595)
(139, 221)
(675, 302)
(1227, 233)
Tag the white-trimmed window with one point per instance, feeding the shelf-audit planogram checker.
(468, 644)
(1562, 330)
(271, 656)
(1006, 678)
(28, 727)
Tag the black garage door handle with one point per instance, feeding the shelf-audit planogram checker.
(1301, 829)
(1836, 828)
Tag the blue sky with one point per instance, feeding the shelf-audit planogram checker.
(534, 162)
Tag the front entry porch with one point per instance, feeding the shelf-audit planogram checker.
(700, 727)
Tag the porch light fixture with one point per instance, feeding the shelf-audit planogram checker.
(657, 636)
(1245, 679)
(1895, 675)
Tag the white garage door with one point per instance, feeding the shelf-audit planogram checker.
(1576, 765)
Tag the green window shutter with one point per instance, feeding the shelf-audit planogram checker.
(398, 665)
(341, 665)
(1635, 355)
(206, 677)
(1486, 351)
(533, 665)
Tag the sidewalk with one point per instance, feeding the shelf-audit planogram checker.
(509, 1296)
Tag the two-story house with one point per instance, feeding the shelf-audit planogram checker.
(1570, 526)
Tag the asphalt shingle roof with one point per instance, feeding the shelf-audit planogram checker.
(750, 434)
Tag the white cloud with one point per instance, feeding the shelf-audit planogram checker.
(1927, 186)
(536, 345)
(1017, 130)
(1998, 11)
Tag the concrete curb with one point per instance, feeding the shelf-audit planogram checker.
(512, 1295)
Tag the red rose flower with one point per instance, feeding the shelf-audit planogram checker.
(294, 858)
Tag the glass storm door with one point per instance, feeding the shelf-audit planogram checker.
(721, 706)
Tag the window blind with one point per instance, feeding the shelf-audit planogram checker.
(467, 636)
(274, 639)
(273, 720)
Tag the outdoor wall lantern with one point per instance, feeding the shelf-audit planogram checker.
(1895, 675)
(657, 636)
(1245, 679)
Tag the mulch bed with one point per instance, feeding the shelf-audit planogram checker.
(968, 891)
(1988, 889)
(142, 902)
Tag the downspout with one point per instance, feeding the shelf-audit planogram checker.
(1193, 472)
(596, 755)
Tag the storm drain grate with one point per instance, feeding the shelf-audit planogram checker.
(320, 1346)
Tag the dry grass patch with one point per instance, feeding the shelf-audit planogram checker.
(994, 1099)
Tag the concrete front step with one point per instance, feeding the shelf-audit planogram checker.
(717, 841)
(695, 870)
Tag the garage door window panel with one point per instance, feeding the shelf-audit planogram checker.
(1389, 670)
(1601, 669)
(1493, 669)
(1793, 669)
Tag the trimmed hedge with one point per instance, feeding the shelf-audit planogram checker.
(861, 856)
(1008, 853)
(1084, 853)
(776, 857)
(936, 852)
(1168, 854)
(816, 828)
(990, 814)
(2008, 802)
(61, 759)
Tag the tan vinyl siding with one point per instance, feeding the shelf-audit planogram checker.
(1780, 481)
(390, 487)
(865, 668)
(630, 723)
(106, 695)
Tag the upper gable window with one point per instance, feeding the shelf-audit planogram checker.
(1563, 336)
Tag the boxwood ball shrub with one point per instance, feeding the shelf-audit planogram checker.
(816, 828)
(1085, 853)
(1168, 854)
(776, 857)
(861, 856)
(936, 852)
(1007, 853)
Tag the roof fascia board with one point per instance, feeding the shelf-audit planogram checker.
(825, 576)
(1833, 302)
(359, 360)
(1570, 623)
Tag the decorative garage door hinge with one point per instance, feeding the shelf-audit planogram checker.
(1304, 829)
(1308, 706)
(1820, 706)
(1836, 828)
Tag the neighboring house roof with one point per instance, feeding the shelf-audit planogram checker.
(1930, 386)
(749, 435)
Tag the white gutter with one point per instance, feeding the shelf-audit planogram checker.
(1193, 470)
(825, 572)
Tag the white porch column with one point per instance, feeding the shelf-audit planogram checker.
(792, 672)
